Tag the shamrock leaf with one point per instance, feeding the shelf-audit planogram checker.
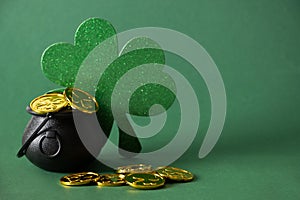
(61, 61)
(135, 53)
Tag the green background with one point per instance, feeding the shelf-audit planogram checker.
(255, 45)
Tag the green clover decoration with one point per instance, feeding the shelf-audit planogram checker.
(61, 61)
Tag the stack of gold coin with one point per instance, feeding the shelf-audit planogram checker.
(55, 101)
(139, 176)
(133, 169)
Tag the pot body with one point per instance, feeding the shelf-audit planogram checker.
(58, 146)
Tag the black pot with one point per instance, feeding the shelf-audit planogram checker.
(51, 141)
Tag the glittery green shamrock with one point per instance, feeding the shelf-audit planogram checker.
(61, 62)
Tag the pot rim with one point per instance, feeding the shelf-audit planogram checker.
(62, 113)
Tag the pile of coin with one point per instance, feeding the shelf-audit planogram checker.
(139, 176)
(69, 98)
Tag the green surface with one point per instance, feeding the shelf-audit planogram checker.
(256, 46)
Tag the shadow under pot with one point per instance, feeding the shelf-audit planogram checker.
(52, 142)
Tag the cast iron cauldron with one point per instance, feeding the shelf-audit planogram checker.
(51, 141)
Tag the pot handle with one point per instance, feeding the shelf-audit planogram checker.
(26, 144)
(54, 136)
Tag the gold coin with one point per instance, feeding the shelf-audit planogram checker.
(48, 103)
(131, 169)
(110, 180)
(81, 100)
(175, 174)
(82, 178)
(145, 181)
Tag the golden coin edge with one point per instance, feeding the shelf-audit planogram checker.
(129, 169)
